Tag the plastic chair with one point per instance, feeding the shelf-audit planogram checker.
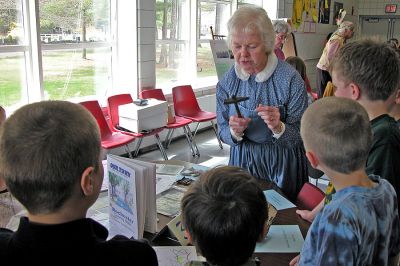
(109, 138)
(309, 197)
(120, 99)
(186, 105)
(180, 122)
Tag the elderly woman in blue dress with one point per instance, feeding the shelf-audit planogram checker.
(265, 138)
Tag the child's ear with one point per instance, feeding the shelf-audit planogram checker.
(188, 236)
(87, 181)
(312, 159)
(355, 91)
(397, 97)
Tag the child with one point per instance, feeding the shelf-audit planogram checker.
(50, 159)
(360, 226)
(369, 72)
(299, 65)
(225, 214)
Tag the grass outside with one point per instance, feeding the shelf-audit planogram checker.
(67, 75)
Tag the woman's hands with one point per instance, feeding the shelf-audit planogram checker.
(238, 125)
(271, 117)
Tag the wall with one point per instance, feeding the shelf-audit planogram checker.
(376, 7)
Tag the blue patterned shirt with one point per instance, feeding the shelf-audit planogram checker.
(359, 227)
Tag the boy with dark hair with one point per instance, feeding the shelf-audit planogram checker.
(50, 159)
(368, 71)
(225, 214)
(360, 226)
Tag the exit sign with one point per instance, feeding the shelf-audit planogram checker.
(391, 8)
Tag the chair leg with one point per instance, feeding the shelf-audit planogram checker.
(167, 137)
(216, 134)
(189, 140)
(162, 150)
(193, 142)
(195, 130)
(138, 147)
(128, 151)
(170, 138)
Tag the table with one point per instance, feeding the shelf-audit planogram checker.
(283, 217)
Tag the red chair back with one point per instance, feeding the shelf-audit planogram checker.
(153, 93)
(95, 109)
(309, 196)
(185, 102)
(114, 102)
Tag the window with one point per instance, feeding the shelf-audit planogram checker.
(76, 56)
(68, 56)
(13, 49)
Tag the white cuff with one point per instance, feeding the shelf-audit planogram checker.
(237, 138)
(277, 136)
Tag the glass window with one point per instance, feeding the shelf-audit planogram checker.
(73, 21)
(12, 80)
(66, 74)
(13, 90)
(172, 35)
(76, 54)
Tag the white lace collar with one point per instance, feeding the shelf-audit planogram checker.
(263, 75)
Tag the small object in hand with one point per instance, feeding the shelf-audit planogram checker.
(185, 181)
(140, 102)
(235, 100)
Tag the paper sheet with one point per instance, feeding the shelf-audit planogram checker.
(175, 255)
(281, 239)
(164, 182)
(277, 200)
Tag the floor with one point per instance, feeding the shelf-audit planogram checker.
(210, 155)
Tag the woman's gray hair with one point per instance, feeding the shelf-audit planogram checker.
(345, 25)
(252, 19)
(280, 26)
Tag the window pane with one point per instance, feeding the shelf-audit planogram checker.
(67, 75)
(171, 64)
(13, 89)
(72, 21)
(253, 2)
(205, 61)
(215, 15)
(11, 22)
(172, 52)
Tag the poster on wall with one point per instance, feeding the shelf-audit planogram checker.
(336, 15)
(324, 10)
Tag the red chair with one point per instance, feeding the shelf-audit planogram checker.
(186, 105)
(180, 122)
(309, 197)
(109, 138)
(120, 99)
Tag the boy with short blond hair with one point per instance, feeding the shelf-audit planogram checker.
(360, 226)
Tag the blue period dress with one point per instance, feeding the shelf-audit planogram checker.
(280, 160)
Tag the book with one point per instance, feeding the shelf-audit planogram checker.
(132, 197)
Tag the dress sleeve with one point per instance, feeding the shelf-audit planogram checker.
(294, 109)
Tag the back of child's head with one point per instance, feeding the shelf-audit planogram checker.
(338, 131)
(298, 64)
(372, 65)
(2, 114)
(224, 213)
(44, 149)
